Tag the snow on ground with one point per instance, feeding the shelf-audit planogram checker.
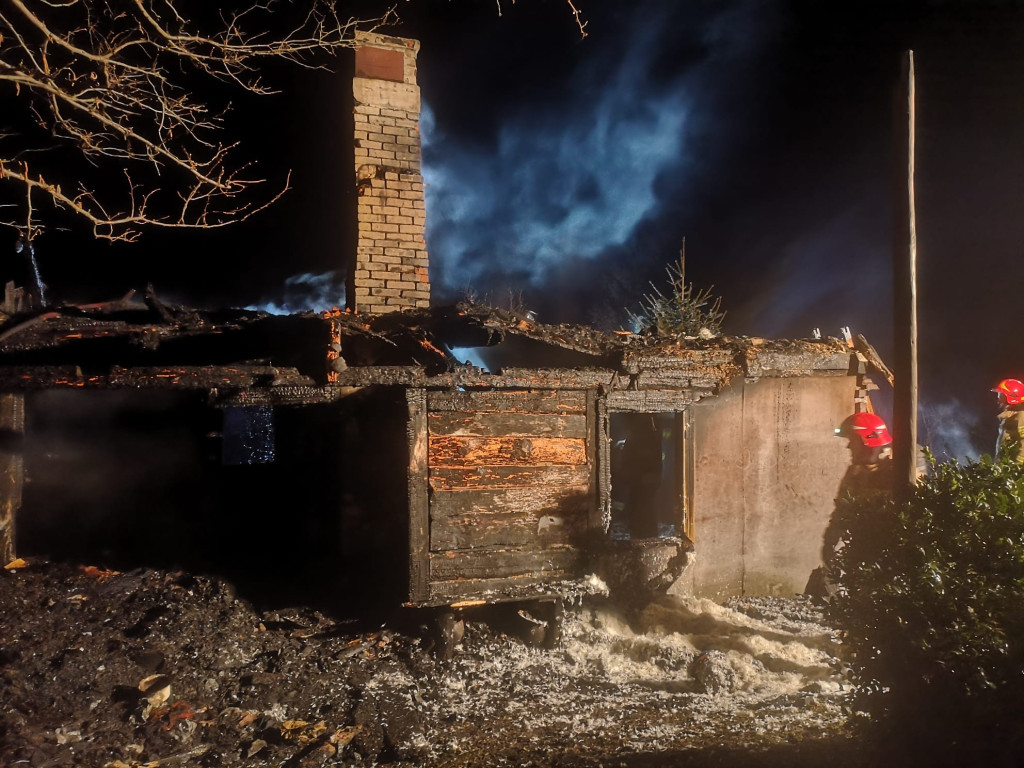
(630, 686)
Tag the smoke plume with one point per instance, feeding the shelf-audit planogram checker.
(305, 292)
(575, 177)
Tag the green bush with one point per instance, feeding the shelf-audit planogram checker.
(932, 604)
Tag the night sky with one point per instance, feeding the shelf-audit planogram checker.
(568, 170)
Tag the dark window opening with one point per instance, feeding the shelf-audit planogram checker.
(646, 476)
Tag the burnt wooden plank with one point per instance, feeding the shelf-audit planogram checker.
(690, 360)
(276, 395)
(863, 346)
(508, 402)
(797, 362)
(539, 380)
(476, 478)
(504, 563)
(206, 376)
(448, 451)
(386, 375)
(507, 424)
(533, 530)
(687, 460)
(154, 377)
(498, 590)
(540, 500)
(559, 378)
(603, 462)
(649, 401)
(419, 501)
(668, 379)
(595, 507)
(24, 377)
(12, 470)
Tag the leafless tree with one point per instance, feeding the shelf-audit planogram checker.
(120, 83)
(125, 86)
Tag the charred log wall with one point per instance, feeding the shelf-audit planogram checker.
(513, 487)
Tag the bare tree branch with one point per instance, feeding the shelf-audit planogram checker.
(577, 15)
(113, 81)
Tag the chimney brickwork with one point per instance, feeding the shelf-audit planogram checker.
(390, 272)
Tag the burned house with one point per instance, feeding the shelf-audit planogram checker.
(325, 447)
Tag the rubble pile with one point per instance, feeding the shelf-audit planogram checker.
(162, 668)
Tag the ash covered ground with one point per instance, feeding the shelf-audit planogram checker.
(157, 668)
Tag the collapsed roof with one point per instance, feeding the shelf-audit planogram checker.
(309, 356)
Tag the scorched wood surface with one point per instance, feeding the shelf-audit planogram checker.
(511, 473)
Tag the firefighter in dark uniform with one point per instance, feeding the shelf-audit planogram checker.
(1011, 419)
(870, 473)
(870, 447)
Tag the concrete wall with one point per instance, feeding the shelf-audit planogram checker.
(767, 470)
(390, 269)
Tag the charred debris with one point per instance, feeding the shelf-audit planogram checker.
(365, 447)
(242, 357)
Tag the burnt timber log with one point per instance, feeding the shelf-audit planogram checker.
(12, 470)
(98, 341)
(419, 503)
(21, 378)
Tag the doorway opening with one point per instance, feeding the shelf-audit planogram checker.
(648, 477)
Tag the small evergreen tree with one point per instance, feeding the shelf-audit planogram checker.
(682, 312)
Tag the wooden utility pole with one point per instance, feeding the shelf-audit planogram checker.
(904, 261)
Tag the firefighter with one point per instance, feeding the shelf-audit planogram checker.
(869, 473)
(1010, 393)
(870, 447)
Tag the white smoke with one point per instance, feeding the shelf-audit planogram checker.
(305, 292)
(576, 178)
(946, 428)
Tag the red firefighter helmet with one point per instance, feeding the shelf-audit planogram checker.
(868, 427)
(1012, 390)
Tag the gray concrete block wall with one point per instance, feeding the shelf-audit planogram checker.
(767, 472)
(390, 270)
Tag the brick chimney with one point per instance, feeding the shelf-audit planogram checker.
(390, 269)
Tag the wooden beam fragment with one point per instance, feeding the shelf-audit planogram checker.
(12, 470)
(419, 502)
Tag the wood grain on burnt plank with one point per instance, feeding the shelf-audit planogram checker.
(537, 500)
(461, 423)
(483, 477)
(450, 451)
(536, 531)
(504, 563)
(552, 401)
